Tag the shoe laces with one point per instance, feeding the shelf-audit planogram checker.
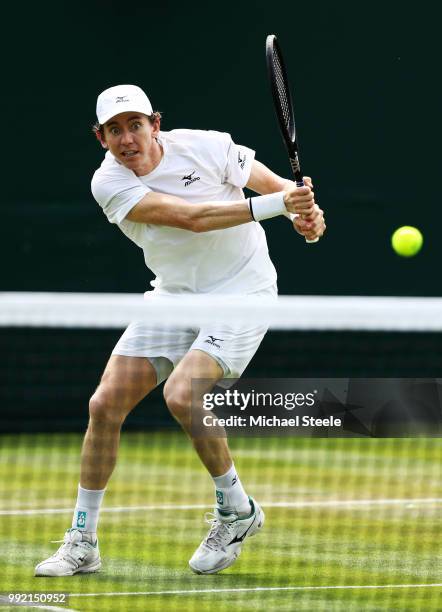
(72, 545)
(220, 532)
(70, 537)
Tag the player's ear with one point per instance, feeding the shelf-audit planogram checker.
(156, 126)
(101, 139)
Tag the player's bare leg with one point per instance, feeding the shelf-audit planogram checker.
(213, 452)
(126, 380)
(236, 515)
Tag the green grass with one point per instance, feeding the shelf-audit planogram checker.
(316, 545)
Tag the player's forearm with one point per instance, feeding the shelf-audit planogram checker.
(162, 209)
(220, 215)
(262, 180)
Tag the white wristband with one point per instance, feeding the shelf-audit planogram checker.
(267, 206)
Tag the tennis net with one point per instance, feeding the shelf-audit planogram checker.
(55, 346)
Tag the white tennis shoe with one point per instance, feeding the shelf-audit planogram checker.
(222, 546)
(77, 555)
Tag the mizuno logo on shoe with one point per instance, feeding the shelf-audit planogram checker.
(241, 538)
(189, 178)
(213, 341)
(241, 160)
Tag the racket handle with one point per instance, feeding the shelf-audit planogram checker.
(300, 183)
(291, 216)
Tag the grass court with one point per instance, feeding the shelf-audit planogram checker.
(351, 524)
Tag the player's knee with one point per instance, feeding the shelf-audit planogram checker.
(178, 401)
(103, 410)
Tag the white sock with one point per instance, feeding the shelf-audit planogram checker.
(87, 509)
(230, 494)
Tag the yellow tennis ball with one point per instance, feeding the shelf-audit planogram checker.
(407, 241)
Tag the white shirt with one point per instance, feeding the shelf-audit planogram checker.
(198, 166)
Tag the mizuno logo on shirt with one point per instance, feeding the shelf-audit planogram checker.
(213, 341)
(241, 160)
(189, 178)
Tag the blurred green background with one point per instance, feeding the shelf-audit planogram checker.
(367, 100)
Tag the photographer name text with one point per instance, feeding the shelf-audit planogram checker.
(210, 420)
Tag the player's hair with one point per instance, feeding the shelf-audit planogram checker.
(97, 128)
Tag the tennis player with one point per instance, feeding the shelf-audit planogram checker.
(178, 196)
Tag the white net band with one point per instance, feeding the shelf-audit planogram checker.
(110, 310)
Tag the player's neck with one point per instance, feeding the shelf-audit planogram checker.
(152, 159)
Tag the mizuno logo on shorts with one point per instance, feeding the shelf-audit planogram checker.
(213, 341)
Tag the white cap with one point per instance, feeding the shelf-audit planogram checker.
(120, 99)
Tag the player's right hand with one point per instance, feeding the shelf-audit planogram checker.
(311, 226)
(299, 200)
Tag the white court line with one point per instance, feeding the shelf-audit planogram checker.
(40, 607)
(333, 503)
(109, 509)
(260, 589)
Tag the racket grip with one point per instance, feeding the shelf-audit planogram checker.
(300, 183)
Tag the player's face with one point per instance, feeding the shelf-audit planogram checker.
(131, 138)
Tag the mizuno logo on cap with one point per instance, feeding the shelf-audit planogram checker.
(121, 99)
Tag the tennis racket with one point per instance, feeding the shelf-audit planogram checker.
(284, 108)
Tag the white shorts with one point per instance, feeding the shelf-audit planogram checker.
(232, 346)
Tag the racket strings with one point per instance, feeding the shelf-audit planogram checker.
(282, 92)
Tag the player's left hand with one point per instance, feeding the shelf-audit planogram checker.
(311, 226)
